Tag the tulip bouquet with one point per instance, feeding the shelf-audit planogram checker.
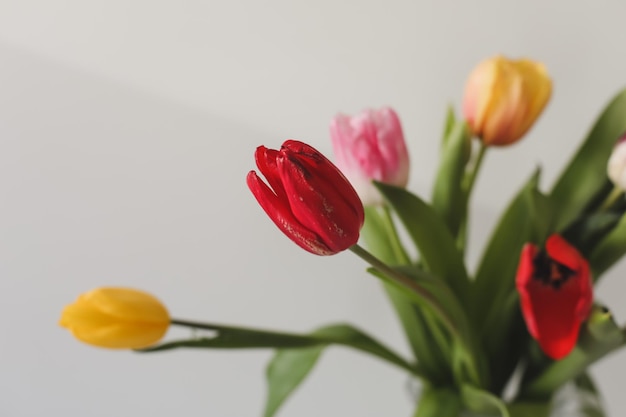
(501, 340)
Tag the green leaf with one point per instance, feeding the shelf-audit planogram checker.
(449, 198)
(420, 328)
(599, 336)
(287, 369)
(436, 290)
(470, 364)
(589, 399)
(580, 398)
(609, 250)
(301, 354)
(417, 328)
(228, 337)
(586, 232)
(237, 337)
(586, 172)
(374, 233)
(347, 335)
(531, 409)
(504, 339)
(448, 125)
(431, 236)
(483, 402)
(438, 402)
(527, 219)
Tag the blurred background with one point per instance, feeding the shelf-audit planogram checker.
(127, 129)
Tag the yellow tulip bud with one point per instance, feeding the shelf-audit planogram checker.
(503, 98)
(116, 318)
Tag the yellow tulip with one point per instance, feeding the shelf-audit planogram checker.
(503, 98)
(116, 318)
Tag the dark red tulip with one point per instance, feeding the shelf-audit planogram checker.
(556, 294)
(308, 198)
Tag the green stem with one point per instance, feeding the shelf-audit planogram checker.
(584, 354)
(396, 244)
(615, 194)
(470, 180)
(300, 341)
(407, 283)
(468, 186)
(462, 335)
(379, 232)
(207, 326)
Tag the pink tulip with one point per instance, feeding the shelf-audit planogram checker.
(370, 146)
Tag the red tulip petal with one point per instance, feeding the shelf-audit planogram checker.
(278, 210)
(556, 318)
(554, 306)
(266, 161)
(525, 272)
(564, 253)
(316, 162)
(586, 290)
(317, 203)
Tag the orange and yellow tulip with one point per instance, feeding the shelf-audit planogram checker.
(504, 97)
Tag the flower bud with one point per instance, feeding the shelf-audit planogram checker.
(116, 318)
(616, 168)
(556, 294)
(370, 146)
(308, 198)
(503, 98)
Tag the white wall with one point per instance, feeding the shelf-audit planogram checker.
(126, 131)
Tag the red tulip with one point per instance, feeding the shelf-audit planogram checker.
(556, 294)
(309, 200)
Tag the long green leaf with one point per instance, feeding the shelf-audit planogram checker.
(590, 402)
(505, 342)
(523, 221)
(347, 335)
(579, 398)
(483, 402)
(531, 409)
(437, 290)
(470, 364)
(432, 237)
(287, 369)
(599, 336)
(609, 250)
(229, 337)
(240, 338)
(449, 199)
(586, 173)
(528, 218)
(418, 327)
(438, 402)
(448, 125)
(590, 230)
